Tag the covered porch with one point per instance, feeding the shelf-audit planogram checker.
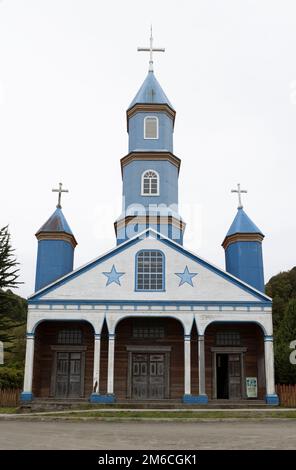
(148, 356)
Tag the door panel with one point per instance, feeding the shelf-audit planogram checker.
(140, 376)
(234, 369)
(62, 375)
(75, 375)
(157, 378)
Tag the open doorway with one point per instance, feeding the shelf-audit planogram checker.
(222, 376)
(228, 373)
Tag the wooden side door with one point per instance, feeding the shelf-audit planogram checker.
(234, 376)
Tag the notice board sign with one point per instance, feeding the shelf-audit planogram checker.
(251, 387)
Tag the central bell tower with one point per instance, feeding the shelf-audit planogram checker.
(150, 170)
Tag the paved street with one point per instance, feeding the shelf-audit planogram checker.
(275, 434)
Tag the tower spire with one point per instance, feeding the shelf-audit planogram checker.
(151, 49)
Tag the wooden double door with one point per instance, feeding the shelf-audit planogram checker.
(68, 374)
(149, 376)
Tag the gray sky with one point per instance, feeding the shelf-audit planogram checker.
(68, 71)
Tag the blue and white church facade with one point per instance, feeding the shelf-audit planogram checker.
(149, 320)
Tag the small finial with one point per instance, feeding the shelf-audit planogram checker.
(151, 49)
(239, 191)
(60, 191)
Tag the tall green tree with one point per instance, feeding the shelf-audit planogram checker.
(285, 370)
(282, 289)
(9, 303)
(9, 271)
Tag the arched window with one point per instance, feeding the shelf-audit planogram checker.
(150, 270)
(150, 183)
(150, 127)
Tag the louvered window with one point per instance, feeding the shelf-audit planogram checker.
(151, 127)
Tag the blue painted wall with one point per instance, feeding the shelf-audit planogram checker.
(132, 179)
(132, 230)
(244, 260)
(136, 133)
(166, 203)
(54, 260)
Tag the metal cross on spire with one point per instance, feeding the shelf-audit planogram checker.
(151, 49)
(239, 192)
(60, 191)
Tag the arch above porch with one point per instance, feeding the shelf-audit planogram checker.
(185, 318)
(35, 317)
(263, 320)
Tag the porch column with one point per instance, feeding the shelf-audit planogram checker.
(201, 370)
(96, 397)
(187, 365)
(111, 347)
(271, 397)
(27, 394)
(97, 357)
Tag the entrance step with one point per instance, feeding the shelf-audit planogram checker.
(60, 405)
(176, 404)
(51, 404)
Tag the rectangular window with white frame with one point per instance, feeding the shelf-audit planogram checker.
(151, 127)
(150, 270)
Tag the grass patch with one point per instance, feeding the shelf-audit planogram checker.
(8, 410)
(175, 415)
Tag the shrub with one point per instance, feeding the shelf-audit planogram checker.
(11, 378)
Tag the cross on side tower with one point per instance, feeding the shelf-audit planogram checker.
(239, 192)
(151, 49)
(60, 191)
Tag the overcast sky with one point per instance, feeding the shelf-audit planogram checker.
(68, 71)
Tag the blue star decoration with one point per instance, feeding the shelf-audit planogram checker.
(186, 276)
(113, 276)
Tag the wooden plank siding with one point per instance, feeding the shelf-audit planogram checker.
(174, 338)
(252, 339)
(47, 333)
(46, 336)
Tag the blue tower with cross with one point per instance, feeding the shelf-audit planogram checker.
(243, 248)
(56, 245)
(150, 170)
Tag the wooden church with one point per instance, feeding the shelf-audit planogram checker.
(149, 320)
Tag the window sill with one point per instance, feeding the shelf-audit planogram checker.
(150, 290)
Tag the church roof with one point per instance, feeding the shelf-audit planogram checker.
(159, 238)
(242, 224)
(150, 93)
(56, 223)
